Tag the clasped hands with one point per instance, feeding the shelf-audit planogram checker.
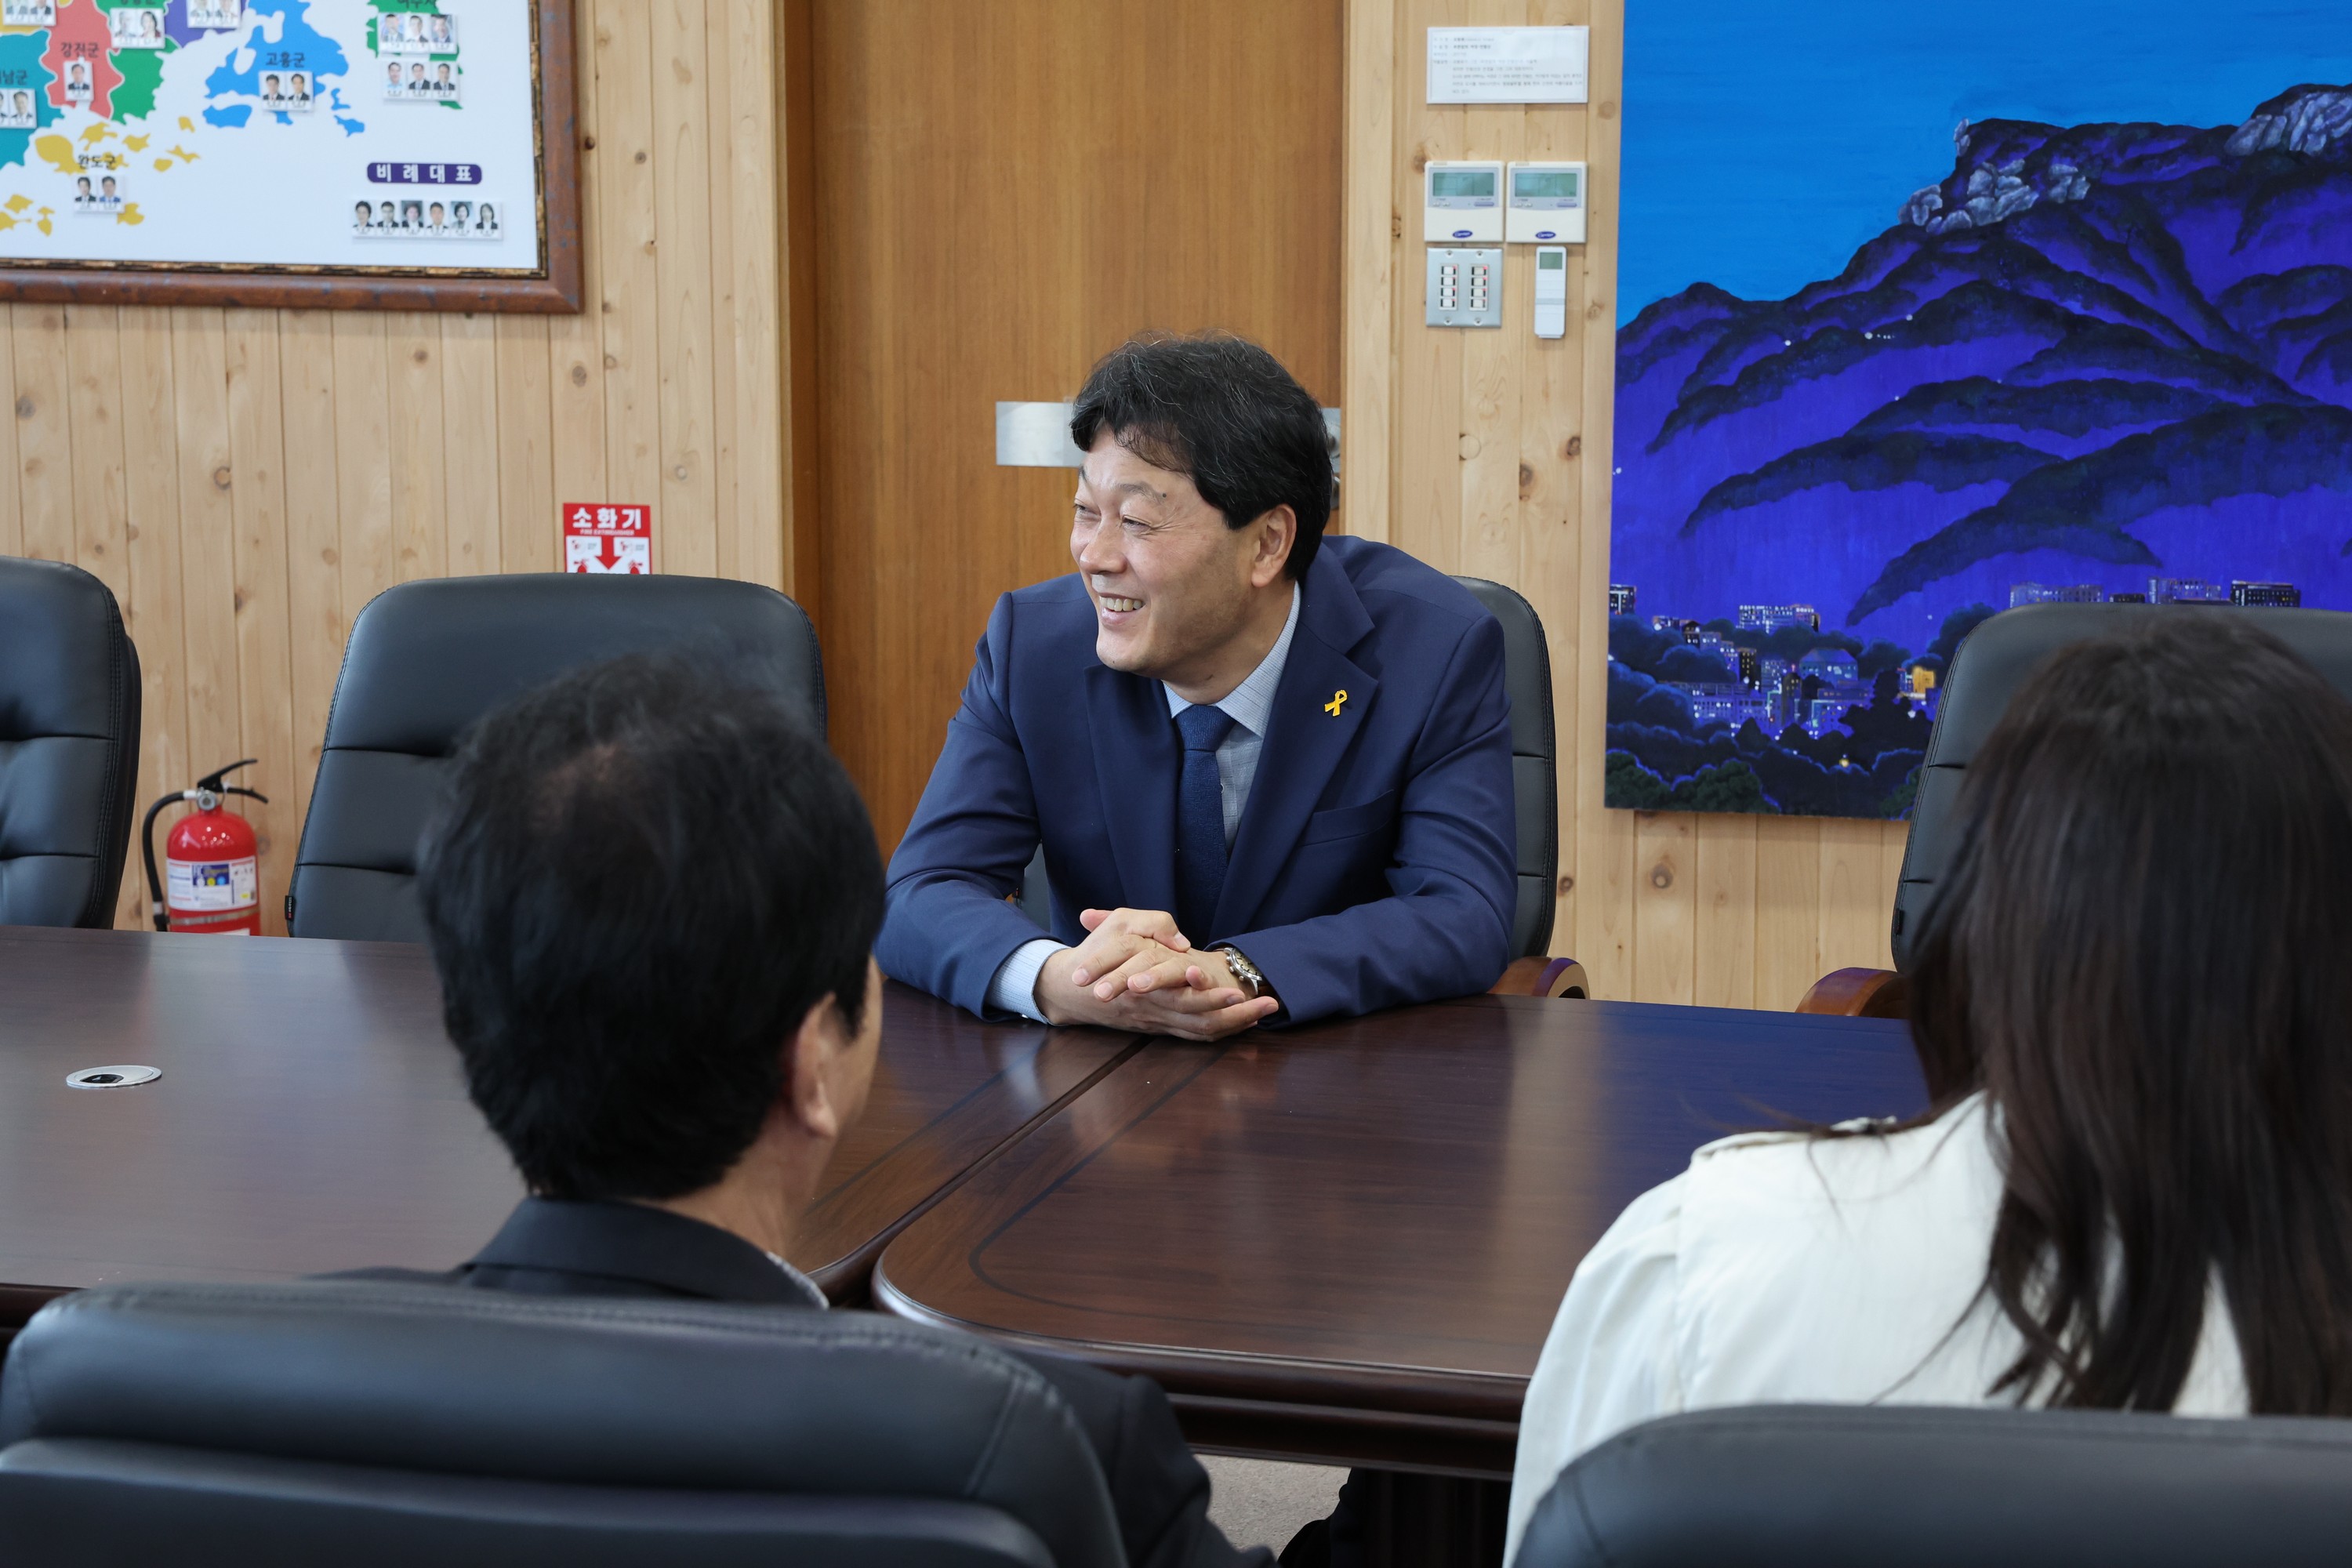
(1136, 971)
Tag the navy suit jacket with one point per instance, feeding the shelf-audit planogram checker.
(1375, 860)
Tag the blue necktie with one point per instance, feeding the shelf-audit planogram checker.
(1200, 821)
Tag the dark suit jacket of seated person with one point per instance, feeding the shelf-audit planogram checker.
(1236, 739)
(651, 897)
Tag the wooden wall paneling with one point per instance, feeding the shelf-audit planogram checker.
(1550, 525)
(797, 250)
(420, 505)
(576, 344)
(44, 431)
(729, 537)
(315, 613)
(1373, 224)
(1551, 519)
(151, 506)
(1424, 399)
(208, 475)
(1788, 910)
(1429, 395)
(1725, 944)
(94, 409)
(681, 186)
(1605, 851)
(1495, 477)
(744, 202)
(1665, 906)
(471, 490)
(1853, 921)
(371, 552)
(259, 605)
(1890, 874)
(526, 422)
(627, 222)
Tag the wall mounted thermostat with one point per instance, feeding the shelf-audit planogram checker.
(1547, 205)
(1466, 288)
(1461, 203)
(1551, 291)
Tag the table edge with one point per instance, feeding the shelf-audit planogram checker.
(1255, 1379)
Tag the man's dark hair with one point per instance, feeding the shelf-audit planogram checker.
(642, 878)
(1222, 411)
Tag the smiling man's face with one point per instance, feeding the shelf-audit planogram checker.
(1171, 582)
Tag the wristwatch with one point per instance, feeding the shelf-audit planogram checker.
(1246, 972)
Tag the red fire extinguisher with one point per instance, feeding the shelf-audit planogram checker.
(209, 860)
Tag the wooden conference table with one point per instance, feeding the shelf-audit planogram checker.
(1347, 1242)
(1343, 1242)
(311, 1116)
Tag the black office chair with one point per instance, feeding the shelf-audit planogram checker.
(1987, 671)
(428, 659)
(1919, 1487)
(371, 1424)
(69, 745)
(1535, 787)
(1535, 762)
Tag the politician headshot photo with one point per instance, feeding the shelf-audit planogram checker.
(1271, 772)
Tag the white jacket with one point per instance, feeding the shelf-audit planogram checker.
(1785, 1268)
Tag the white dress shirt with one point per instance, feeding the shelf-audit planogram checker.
(1784, 1269)
(1249, 706)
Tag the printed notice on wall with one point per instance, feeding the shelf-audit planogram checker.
(1508, 65)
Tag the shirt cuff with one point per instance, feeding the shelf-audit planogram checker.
(1014, 988)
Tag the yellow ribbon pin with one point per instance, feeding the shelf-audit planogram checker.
(1332, 707)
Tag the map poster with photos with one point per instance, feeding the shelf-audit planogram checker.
(386, 154)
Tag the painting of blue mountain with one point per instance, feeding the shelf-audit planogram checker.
(2101, 351)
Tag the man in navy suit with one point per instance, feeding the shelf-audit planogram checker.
(1271, 772)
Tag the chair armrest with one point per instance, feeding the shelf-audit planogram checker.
(1562, 977)
(1859, 993)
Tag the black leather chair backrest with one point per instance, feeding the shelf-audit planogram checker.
(69, 745)
(365, 1423)
(1534, 763)
(1535, 775)
(1987, 671)
(428, 659)
(1896, 1486)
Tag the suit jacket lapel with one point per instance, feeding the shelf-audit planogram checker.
(1137, 764)
(1305, 741)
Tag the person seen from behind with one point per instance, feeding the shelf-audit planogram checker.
(2133, 1190)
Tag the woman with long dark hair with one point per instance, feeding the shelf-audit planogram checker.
(2134, 1191)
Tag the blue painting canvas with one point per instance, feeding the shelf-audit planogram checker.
(1929, 313)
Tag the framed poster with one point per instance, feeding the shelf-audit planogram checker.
(375, 154)
(1918, 325)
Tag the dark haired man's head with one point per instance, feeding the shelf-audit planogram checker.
(2138, 951)
(1202, 497)
(651, 895)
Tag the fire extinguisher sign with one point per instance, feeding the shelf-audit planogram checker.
(607, 536)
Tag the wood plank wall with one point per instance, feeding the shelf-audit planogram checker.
(246, 480)
(1488, 452)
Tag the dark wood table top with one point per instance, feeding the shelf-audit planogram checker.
(312, 1115)
(1347, 1242)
